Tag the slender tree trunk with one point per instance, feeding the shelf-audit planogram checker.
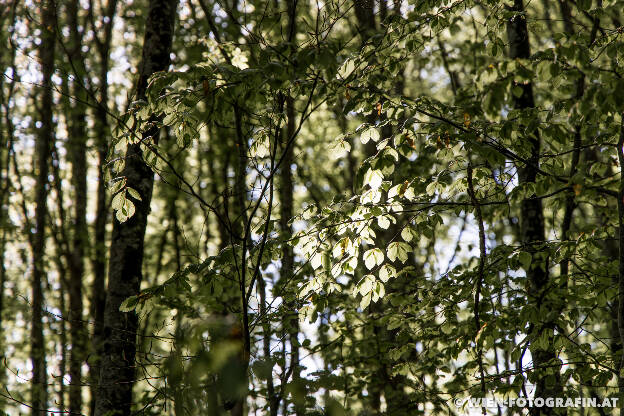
(241, 231)
(272, 397)
(620, 307)
(2, 284)
(45, 136)
(5, 139)
(365, 15)
(61, 258)
(532, 227)
(77, 146)
(286, 196)
(287, 271)
(98, 260)
(117, 371)
(62, 329)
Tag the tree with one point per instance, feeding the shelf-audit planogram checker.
(45, 136)
(117, 366)
(355, 208)
(77, 143)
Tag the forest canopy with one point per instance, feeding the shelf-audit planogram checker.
(288, 207)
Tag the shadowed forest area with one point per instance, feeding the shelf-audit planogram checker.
(311, 207)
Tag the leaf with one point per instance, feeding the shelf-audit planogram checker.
(169, 119)
(372, 196)
(398, 250)
(394, 191)
(339, 149)
(373, 178)
(406, 234)
(366, 300)
(373, 257)
(316, 260)
(129, 304)
(383, 222)
(128, 208)
(386, 272)
(431, 188)
(378, 292)
(341, 247)
(525, 259)
(125, 211)
(370, 134)
(346, 69)
(118, 200)
(118, 185)
(367, 284)
(262, 369)
(134, 194)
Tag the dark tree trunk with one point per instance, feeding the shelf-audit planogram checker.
(532, 226)
(365, 15)
(117, 371)
(286, 196)
(291, 320)
(98, 262)
(620, 303)
(6, 61)
(45, 136)
(272, 398)
(77, 146)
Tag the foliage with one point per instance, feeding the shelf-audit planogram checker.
(412, 276)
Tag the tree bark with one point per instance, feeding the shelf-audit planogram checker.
(77, 147)
(365, 15)
(45, 136)
(7, 60)
(98, 260)
(117, 371)
(532, 226)
(620, 307)
(286, 196)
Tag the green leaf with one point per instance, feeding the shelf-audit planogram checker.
(346, 69)
(431, 188)
(383, 222)
(406, 233)
(118, 200)
(366, 300)
(525, 259)
(367, 284)
(134, 194)
(398, 250)
(386, 272)
(129, 304)
(369, 134)
(373, 257)
(316, 260)
(373, 178)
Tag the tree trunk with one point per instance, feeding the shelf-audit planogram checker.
(117, 371)
(5, 159)
(365, 15)
(272, 398)
(98, 262)
(77, 147)
(532, 227)
(286, 196)
(620, 304)
(45, 136)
